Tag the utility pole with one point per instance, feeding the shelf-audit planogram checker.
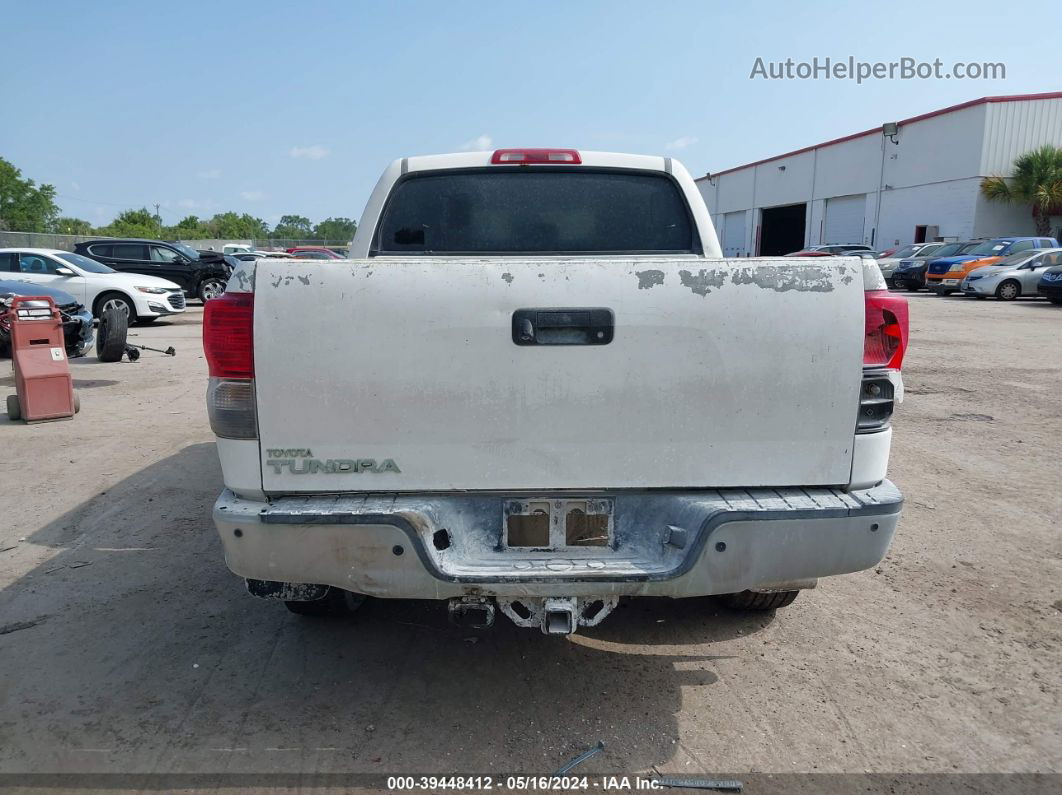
(158, 219)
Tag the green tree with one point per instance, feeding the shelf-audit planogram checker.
(341, 229)
(188, 228)
(132, 223)
(294, 227)
(240, 226)
(1037, 181)
(73, 226)
(24, 205)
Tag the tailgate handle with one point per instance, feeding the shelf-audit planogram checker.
(563, 326)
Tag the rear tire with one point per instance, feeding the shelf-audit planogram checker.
(913, 288)
(111, 335)
(751, 600)
(210, 288)
(336, 603)
(1008, 290)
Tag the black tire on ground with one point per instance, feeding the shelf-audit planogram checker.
(1008, 290)
(1055, 299)
(111, 335)
(14, 410)
(210, 288)
(336, 603)
(751, 600)
(913, 288)
(5, 348)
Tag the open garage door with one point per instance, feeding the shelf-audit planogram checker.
(844, 219)
(734, 234)
(782, 229)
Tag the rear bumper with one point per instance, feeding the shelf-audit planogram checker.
(665, 544)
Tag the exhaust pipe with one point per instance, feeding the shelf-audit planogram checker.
(471, 612)
(560, 616)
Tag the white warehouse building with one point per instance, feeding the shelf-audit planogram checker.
(914, 180)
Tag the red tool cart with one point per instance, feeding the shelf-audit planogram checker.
(45, 390)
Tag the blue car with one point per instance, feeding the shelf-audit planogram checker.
(77, 320)
(997, 247)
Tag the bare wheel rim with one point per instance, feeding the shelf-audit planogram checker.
(211, 289)
(1008, 291)
(117, 304)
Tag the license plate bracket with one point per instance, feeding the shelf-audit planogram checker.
(558, 523)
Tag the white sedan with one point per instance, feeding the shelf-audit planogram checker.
(142, 298)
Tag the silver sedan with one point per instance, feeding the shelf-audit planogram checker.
(1012, 276)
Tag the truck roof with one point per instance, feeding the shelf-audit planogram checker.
(483, 158)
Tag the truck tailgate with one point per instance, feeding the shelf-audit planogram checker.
(402, 374)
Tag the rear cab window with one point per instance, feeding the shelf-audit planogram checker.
(538, 210)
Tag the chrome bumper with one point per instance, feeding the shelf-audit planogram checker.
(664, 544)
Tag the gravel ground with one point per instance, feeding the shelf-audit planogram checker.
(126, 646)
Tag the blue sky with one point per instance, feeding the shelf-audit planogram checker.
(280, 107)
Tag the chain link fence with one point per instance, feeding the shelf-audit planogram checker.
(67, 242)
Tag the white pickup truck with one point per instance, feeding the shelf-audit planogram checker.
(538, 387)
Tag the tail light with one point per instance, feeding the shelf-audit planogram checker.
(884, 344)
(886, 329)
(228, 342)
(522, 156)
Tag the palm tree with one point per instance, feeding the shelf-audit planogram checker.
(1037, 181)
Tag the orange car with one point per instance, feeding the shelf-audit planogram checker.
(949, 282)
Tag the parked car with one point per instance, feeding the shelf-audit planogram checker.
(313, 252)
(77, 320)
(911, 273)
(888, 262)
(1050, 285)
(199, 277)
(1011, 277)
(141, 298)
(944, 275)
(519, 469)
(830, 250)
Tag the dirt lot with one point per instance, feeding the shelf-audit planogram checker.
(128, 647)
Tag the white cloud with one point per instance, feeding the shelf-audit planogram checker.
(75, 186)
(477, 144)
(210, 173)
(195, 204)
(252, 195)
(681, 142)
(315, 152)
